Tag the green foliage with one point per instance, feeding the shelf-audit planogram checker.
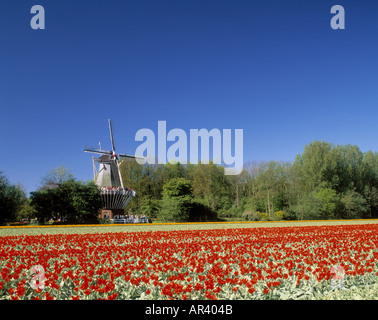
(329, 203)
(344, 179)
(251, 215)
(307, 207)
(353, 205)
(12, 198)
(69, 202)
(178, 204)
(150, 208)
(104, 221)
(178, 187)
(279, 215)
(311, 165)
(263, 216)
(26, 211)
(56, 177)
(324, 182)
(210, 184)
(317, 185)
(177, 200)
(175, 209)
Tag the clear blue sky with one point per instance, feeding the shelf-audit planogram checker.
(275, 69)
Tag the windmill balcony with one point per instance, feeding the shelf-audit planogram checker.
(116, 198)
(117, 190)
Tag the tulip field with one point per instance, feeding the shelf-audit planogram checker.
(334, 261)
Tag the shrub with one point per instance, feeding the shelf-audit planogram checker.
(263, 216)
(104, 221)
(250, 215)
(279, 215)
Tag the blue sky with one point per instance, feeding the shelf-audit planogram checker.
(275, 69)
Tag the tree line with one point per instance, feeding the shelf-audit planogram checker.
(323, 182)
(60, 198)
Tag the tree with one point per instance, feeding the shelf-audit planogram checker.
(146, 180)
(353, 205)
(56, 177)
(267, 187)
(70, 202)
(271, 184)
(236, 186)
(210, 183)
(202, 182)
(321, 175)
(329, 202)
(308, 207)
(150, 208)
(342, 177)
(173, 170)
(343, 169)
(370, 165)
(177, 200)
(26, 211)
(310, 165)
(86, 201)
(178, 187)
(12, 197)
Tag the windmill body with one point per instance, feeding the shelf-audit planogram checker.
(108, 178)
(107, 175)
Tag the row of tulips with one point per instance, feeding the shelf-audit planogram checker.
(246, 263)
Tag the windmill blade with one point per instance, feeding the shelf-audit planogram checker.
(128, 156)
(111, 134)
(97, 151)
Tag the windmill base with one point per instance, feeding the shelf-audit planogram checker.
(110, 213)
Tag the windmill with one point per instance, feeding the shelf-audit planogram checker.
(108, 177)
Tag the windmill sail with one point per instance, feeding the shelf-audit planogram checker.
(111, 134)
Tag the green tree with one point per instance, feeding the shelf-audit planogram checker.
(70, 202)
(236, 185)
(267, 187)
(308, 207)
(321, 175)
(150, 208)
(370, 192)
(310, 165)
(173, 170)
(56, 176)
(329, 203)
(353, 205)
(343, 169)
(178, 187)
(343, 178)
(271, 185)
(86, 201)
(177, 200)
(46, 203)
(210, 184)
(26, 211)
(12, 198)
(139, 178)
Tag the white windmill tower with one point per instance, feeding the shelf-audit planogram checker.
(108, 177)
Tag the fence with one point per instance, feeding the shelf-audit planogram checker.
(129, 220)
